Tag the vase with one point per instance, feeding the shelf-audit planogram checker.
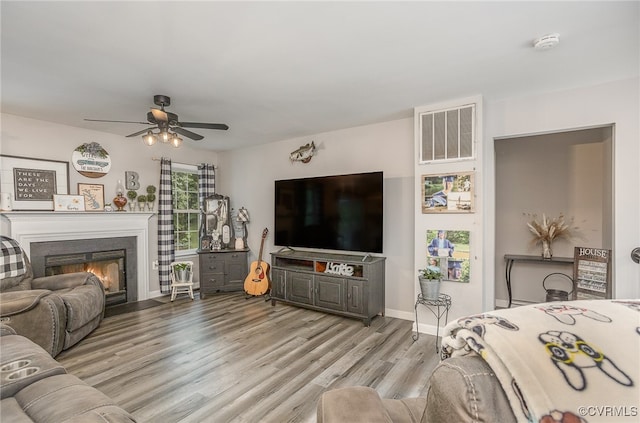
(132, 205)
(120, 201)
(547, 252)
(430, 288)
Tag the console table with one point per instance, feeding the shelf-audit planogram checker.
(439, 308)
(345, 284)
(512, 258)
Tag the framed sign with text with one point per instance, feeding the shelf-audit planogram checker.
(33, 182)
(592, 273)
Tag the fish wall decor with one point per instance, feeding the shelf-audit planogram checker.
(304, 153)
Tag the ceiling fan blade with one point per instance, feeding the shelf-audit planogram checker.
(187, 134)
(144, 131)
(221, 126)
(160, 115)
(117, 121)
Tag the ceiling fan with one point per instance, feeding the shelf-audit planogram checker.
(165, 122)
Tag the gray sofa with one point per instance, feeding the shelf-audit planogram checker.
(546, 362)
(55, 312)
(36, 388)
(461, 389)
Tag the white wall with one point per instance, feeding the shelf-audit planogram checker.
(45, 140)
(248, 176)
(466, 298)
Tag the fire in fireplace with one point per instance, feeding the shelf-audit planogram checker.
(108, 266)
(113, 260)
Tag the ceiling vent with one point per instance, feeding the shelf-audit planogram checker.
(447, 134)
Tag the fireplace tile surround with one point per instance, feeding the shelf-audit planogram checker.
(31, 227)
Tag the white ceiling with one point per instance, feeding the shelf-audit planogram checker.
(280, 70)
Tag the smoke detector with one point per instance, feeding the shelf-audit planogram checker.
(546, 42)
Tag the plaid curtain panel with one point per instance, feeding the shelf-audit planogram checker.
(12, 263)
(206, 182)
(165, 226)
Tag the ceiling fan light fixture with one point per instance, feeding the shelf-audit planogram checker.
(176, 141)
(165, 136)
(150, 138)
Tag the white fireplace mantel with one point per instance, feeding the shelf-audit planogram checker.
(28, 227)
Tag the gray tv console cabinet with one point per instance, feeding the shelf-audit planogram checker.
(345, 284)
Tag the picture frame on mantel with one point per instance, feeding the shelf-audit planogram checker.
(68, 203)
(33, 182)
(93, 196)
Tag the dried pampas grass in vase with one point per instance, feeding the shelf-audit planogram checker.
(546, 230)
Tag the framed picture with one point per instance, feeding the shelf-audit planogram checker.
(448, 193)
(93, 196)
(591, 273)
(449, 253)
(68, 202)
(33, 182)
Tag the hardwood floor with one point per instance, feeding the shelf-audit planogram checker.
(231, 359)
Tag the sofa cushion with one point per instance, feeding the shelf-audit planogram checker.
(10, 411)
(406, 409)
(343, 404)
(65, 398)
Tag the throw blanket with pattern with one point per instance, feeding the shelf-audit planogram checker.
(11, 263)
(574, 361)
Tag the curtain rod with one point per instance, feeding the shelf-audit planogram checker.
(157, 159)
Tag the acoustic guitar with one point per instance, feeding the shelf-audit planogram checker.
(257, 282)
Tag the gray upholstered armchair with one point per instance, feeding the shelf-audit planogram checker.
(55, 312)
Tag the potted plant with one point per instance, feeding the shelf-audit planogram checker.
(430, 280)
(131, 195)
(151, 196)
(182, 272)
(142, 200)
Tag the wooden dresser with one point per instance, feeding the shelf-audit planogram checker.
(222, 271)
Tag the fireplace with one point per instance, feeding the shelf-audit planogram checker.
(86, 233)
(112, 260)
(108, 266)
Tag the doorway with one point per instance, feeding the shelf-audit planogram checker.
(567, 173)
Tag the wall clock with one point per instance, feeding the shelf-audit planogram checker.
(91, 160)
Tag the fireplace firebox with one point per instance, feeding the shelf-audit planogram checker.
(108, 266)
(112, 260)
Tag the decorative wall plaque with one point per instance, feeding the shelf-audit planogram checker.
(91, 160)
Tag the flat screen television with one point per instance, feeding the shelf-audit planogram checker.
(342, 212)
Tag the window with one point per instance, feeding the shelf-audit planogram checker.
(186, 209)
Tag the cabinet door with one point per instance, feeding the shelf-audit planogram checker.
(330, 293)
(356, 296)
(278, 283)
(236, 270)
(300, 287)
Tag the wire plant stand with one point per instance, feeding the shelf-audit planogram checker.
(438, 308)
